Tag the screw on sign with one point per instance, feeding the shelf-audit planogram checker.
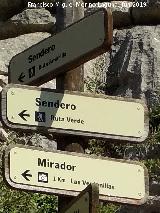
(58, 54)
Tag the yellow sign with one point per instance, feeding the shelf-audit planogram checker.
(78, 43)
(65, 173)
(72, 113)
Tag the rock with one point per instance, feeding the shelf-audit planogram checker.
(9, 8)
(29, 21)
(34, 16)
(153, 152)
(3, 81)
(51, 84)
(151, 206)
(41, 141)
(154, 188)
(133, 68)
(3, 135)
(13, 46)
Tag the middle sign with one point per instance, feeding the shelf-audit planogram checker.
(99, 116)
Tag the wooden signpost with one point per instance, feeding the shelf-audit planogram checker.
(86, 202)
(76, 44)
(75, 114)
(69, 173)
(31, 108)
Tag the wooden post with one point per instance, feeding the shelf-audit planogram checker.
(72, 80)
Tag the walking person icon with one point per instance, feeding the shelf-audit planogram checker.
(40, 116)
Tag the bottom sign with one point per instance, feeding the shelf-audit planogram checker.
(69, 173)
(86, 202)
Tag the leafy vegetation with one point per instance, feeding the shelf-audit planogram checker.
(14, 201)
(109, 208)
(95, 81)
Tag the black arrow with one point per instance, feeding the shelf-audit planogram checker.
(26, 175)
(22, 114)
(21, 77)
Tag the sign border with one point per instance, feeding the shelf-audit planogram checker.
(108, 25)
(29, 128)
(93, 191)
(6, 161)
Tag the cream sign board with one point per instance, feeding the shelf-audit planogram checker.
(69, 173)
(74, 113)
(75, 45)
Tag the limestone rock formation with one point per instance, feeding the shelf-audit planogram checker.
(134, 63)
(29, 21)
(45, 142)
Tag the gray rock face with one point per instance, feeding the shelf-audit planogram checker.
(41, 141)
(34, 16)
(9, 8)
(29, 21)
(151, 206)
(133, 65)
(154, 188)
(51, 84)
(3, 135)
(13, 46)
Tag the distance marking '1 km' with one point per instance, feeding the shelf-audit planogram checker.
(68, 173)
(75, 45)
(86, 202)
(99, 116)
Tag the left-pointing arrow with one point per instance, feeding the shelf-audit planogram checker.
(21, 77)
(26, 175)
(22, 115)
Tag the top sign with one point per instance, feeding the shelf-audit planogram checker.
(75, 45)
